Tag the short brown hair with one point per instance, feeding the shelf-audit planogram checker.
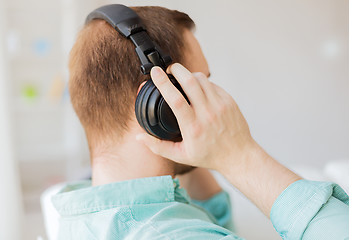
(105, 70)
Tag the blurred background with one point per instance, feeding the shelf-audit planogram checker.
(286, 63)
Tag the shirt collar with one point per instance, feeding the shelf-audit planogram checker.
(82, 198)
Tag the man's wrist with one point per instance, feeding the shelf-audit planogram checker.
(258, 176)
(239, 162)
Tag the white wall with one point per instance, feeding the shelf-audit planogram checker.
(10, 198)
(285, 63)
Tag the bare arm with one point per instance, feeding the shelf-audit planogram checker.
(259, 177)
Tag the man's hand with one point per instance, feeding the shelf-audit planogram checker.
(213, 128)
(216, 135)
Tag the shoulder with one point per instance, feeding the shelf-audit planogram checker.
(182, 229)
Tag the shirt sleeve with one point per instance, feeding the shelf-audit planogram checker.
(311, 210)
(219, 206)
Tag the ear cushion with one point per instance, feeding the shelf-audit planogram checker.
(154, 115)
(140, 105)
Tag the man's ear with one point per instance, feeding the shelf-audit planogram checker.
(140, 86)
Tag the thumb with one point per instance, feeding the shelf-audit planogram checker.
(166, 149)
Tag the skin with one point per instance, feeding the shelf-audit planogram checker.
(216, 136)
(121, 160)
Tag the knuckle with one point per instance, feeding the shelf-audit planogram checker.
(222, 108)
(231, 103)
(199, 75)
(212, 85)
(202, 75)
(227, 100)
(191, 81)
(160, 83)
(196, 130)
(178, 102)
(211, 117)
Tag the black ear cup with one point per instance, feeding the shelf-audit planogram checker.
(154, 114)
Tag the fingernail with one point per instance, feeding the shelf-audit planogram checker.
(168, 70)
(155, 71)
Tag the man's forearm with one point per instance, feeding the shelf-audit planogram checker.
(259, 177)
(216, 136)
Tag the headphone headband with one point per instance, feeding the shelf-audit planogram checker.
(152, 112)
(126, 21)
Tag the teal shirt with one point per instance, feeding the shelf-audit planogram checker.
(146, 208)
(311, 210)
(157, 208)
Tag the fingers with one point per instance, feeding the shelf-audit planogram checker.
(206, 86)
(173, 97)
(166, 149)
(221, 93)
(202, 80)
(189, 84)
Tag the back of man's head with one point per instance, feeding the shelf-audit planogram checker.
(105, 70)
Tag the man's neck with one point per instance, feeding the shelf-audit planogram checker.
(127, 160)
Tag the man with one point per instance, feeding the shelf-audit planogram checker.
(133, 194)
(215, 135)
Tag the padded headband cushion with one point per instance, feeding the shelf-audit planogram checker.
(120, 17)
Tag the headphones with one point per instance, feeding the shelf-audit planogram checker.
(152, 112)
